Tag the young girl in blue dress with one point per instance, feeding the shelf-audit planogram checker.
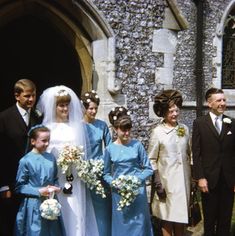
(99, 137)
(36, 179)
(127, 156)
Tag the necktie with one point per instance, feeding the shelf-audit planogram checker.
(217, 126)
(26, 118)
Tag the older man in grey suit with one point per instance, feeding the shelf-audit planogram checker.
(213, 145)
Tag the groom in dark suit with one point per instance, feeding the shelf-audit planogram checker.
(213, 145)
(15, 123)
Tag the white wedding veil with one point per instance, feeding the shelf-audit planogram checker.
(47, 106)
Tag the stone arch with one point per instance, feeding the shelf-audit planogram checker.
(87, 31)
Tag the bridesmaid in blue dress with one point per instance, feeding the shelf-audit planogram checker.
(99, 137)
(127, 156)
(36, 178)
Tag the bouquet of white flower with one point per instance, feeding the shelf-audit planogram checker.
(90, 172)
(50, 208)
(128, 188)
(69, 156)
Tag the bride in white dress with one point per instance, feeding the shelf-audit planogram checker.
(63, 114)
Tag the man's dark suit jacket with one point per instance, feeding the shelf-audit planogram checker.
(13, 144)
(212, 152)
(13, 141)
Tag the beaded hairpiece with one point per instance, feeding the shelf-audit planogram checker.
(116, 115)
(120, 109)
(88, 95)
(62, 93)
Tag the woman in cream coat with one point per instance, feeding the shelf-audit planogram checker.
(169, 153)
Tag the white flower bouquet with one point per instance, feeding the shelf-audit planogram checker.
(128, 188)
(69, 156)
(90, 172)
(50, 208)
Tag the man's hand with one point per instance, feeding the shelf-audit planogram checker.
(203, 185)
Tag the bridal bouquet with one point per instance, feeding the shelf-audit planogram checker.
(90, 172)
(50, 208)
(128, 189)
(69, 156)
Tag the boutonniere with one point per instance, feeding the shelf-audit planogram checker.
(180, 131)
(227, 120)
(37, 113)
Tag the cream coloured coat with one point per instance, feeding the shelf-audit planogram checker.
(171, 155)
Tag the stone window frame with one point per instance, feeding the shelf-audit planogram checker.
(217, 60)
(228, 41)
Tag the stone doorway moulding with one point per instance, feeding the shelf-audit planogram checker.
(90, 35)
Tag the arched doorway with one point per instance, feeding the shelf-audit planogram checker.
(31, 48)
(78, 39)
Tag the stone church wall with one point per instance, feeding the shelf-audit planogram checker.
(135, 22)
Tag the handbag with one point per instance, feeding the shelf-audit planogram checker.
(194, 209)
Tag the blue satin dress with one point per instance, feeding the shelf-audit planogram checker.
(35, 171)
(99, 137)
(129, 159)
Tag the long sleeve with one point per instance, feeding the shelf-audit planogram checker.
(147, 170)
(22, 181)
(196, 150)
(107, 137)
(189, 151)
(56, 181)
(153, 150)
(3, 178)
(107, 167)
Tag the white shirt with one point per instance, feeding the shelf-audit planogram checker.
(213, 117)
(25, 114)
